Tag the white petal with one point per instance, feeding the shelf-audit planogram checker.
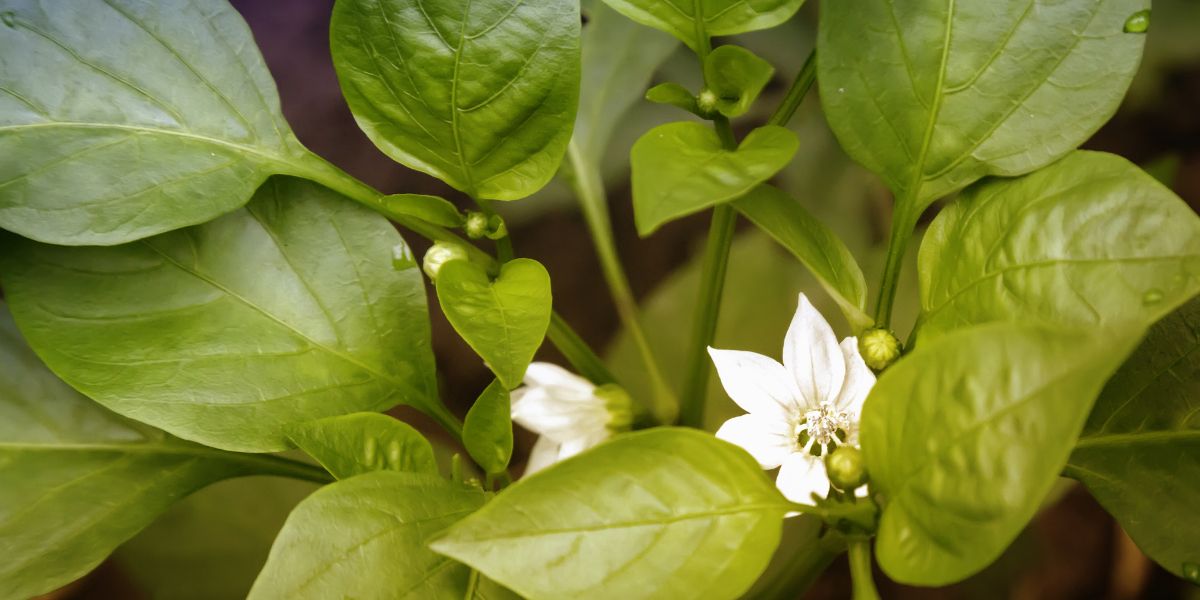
(550, 412)
(859, 380)
(575, 446)
(544, 374)
(801, 476)
(543, 454)
(769, 441)
(812, 355)
(756, 383)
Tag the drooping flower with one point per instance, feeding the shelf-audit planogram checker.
(568, 412)
(798, 411)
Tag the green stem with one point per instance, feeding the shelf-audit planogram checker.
(805, 567)
(504, 245)
(286, 467)
(708, 308)
(577, 352)
(797, 92)
(860, 570)
(589, 189)
(903, 223)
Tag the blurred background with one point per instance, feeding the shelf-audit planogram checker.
(211, 545)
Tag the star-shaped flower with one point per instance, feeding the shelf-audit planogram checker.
(801, 410)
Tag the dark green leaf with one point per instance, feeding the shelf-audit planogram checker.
(1090, 241)
(682, 168)
(813, 244)
(123, 119)
(674, 94)
(479, 93)
(504, 320)
(736, 76)
(286, 311)
(350, 445)
(365, 537)
(487, 430)
(1139, 453)
(966, 435)
(932, 95)
(665, 513)
(77, 480)
(716, 17)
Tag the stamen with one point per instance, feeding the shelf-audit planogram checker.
(823, 429)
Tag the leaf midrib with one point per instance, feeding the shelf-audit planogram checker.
(1142, 437)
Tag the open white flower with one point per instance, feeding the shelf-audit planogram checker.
(567, 411)
(798, 411)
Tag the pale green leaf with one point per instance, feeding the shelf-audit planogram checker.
(965, 436)
(504, 320)
(350, 445)
(693, 21)
(479, 93)
(1090, 241)
(736, 76)
(674, 94)
(934, 94)
(664, 513)
(487, 430)
(121, 119)
(1139, 453)
(682, 168)
(430, 209)
(286, 311)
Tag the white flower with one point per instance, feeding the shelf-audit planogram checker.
(798, 411)
(567, 411)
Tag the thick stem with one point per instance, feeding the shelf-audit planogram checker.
(708, 308)
(589, 189)
(861, 576)
(796, 93)
(577, 352)
(904, 220)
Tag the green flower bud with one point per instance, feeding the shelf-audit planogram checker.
(440, 254)
(706, 102)
(879, 348)
(496, 228)
(476, 225)
(845, 468)
(619, 405)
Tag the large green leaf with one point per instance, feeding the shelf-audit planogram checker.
(349, 445)
(966, 435)
(479, 93)
(504, 320)
(77, 480)
(365, 538)
(1090, 241)
(1139, 453)
(934, 94)
(813, 244)
(682, 168)
(122, 119)
(286, 311)
(693, 21)
(665, 513)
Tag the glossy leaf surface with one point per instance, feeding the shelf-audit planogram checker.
(487, 430)
(654, 514)
(693, 21)
(216, 352)
(350, 445)
(479, 93)
(123, 119)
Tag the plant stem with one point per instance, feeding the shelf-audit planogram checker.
(286, 467)
(860, 570)
(797, 92)
(903, 223)
(589, 189)
(577, 352)
(805, 567)
(504, 246)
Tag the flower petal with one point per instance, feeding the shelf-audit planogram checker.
(811, 354)
(859, 381)
(757, 384)
(550, 375)
(543, 454)
(769, 441)
(801, 476)
(551, 412)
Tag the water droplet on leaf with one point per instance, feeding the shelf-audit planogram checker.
(1152, 297)
(402, 257)
(1138, 22)
(1191, 572)
(9, 18)
(841, 90)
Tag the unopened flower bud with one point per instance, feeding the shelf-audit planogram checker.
(476, 225)
(707, 102)
(845, 468)
(440, 254)
(879, 348)
(619, 405)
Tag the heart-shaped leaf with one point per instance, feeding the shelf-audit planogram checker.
(349, 445)
(504, 320)
(682, 168)
(487, 430)
(693, 22)
(736, 75)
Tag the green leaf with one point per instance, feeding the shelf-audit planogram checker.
(479, 93)
(286, 311)
(736, 76)
(365, 537)
(932, 95)
(966, 435)
(76, 480)
(682, 168)
(668, 513)
(430, 209)
(121, 119)
(1139, 453)
(694, 21)
(814, 245)
(504, 320)
(487, 431)
(350, 445)
(674, 94)
(1090, 241)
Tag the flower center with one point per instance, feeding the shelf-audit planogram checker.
(822, 429)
